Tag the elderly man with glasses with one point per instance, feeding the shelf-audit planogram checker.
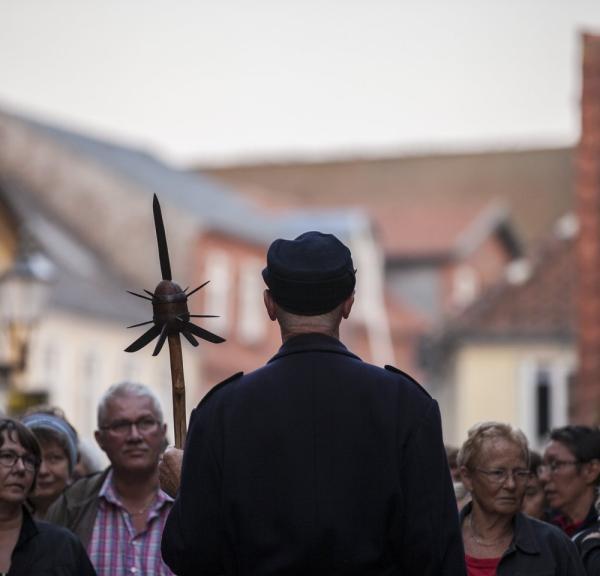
(119, 514)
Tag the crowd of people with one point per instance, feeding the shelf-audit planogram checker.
(317, 463)
(519, 512)
(522, 512)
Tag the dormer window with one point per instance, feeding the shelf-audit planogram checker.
(465, 285)
(252, 315)
(218, 271)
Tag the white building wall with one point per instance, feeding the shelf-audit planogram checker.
(75, 359)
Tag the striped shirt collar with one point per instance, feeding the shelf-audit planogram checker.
(109, 494)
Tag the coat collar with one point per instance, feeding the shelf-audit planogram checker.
(313, 342)
(524, 537)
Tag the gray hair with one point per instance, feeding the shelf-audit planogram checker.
(290, 321)
(128, 389)
(490, 431)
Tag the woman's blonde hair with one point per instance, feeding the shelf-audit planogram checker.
(489, 431)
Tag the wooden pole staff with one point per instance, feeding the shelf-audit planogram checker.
(178, 380)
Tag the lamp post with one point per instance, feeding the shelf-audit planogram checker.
(24, 289)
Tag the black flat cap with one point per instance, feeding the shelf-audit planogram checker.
(309, 275)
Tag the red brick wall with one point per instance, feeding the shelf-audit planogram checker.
(223, 360)
(587, 389)
(488, 262)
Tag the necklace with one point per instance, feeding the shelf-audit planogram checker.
(141, 511)
(479, 541)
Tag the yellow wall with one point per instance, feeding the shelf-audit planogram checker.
(487, 380)
(64, 345)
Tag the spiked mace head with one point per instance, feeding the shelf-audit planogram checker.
(169, 303)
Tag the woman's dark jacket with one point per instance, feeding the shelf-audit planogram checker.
(44, 549)
(588, 544)
(537, 549)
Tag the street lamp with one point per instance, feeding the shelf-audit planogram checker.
(24, 290)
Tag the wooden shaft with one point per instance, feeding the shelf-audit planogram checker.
(178, 382)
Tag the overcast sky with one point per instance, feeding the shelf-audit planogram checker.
(225, 80)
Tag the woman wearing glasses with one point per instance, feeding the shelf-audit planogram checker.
(498, 538)
(29, 547)
(570, 473)
(58, 441)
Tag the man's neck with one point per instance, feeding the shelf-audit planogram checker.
(135, 487)
(578, 511)
(286, 334)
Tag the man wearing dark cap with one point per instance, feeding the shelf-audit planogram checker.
(316, 463)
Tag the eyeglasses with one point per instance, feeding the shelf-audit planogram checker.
(144, 425)
(555, 465)
(8, 459)
(500, 475)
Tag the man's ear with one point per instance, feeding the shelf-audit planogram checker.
(99, 439)
(591, 470)
(270, 305)
(347, 305)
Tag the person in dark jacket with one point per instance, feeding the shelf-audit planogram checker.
(317, 463)
(29, 547)
(499, 539)
(570, 473)
(588, 544)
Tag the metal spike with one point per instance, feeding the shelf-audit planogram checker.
(161, 340)
(148, 292)
(196, 289)
(201, 332)
(190, 338)
(203, 316)
(139, 295)
(140, 324)
(161, 237)
(144, 339)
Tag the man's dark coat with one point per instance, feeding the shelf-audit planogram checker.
(317, 463)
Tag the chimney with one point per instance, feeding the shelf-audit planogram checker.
(586, 408)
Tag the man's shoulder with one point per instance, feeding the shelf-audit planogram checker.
(406, 379)
(86, 487)
(214, 391)
(53, 532)
(395, 378)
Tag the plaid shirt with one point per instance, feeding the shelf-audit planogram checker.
(115, 549)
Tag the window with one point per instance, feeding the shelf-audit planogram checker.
(252, 314)
(218, 271)
(543, 401)
(90, 385)
(465, 285)
(51, 364)
(543, 397)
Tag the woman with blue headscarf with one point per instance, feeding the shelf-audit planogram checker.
(58, 441)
